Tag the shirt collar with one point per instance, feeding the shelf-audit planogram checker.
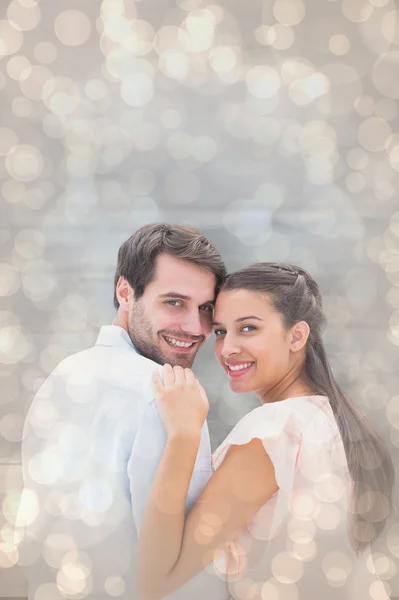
(114, 335)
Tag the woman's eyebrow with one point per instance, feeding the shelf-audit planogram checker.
(240, 319)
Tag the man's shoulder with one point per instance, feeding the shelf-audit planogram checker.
(117, 367)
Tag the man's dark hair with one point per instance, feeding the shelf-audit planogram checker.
(137, 256)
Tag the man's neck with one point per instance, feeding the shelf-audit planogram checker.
(121, 320)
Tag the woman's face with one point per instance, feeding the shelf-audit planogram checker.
(252, 344)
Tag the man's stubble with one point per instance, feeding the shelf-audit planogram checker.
(146, 340)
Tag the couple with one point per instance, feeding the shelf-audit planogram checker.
(119, 498)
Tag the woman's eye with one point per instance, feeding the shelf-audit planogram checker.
(218, 332)
(249, 328)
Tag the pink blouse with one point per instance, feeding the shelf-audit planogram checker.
(297, 546)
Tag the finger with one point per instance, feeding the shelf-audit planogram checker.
(202, 391)
(190, 377)
(168, 375)
(157, 382)
(180, 379)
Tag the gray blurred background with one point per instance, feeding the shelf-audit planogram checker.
(271, 126)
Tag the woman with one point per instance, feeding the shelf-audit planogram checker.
(302, 484)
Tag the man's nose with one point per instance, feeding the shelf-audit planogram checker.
(192, 323)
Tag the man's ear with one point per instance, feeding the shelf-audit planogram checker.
(124, 293)
(299, 336)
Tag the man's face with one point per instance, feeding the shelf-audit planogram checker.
(173, 318)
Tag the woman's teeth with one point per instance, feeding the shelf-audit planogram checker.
(239, 367)
(177, 343)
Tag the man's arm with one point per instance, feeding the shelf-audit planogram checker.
(148, 447)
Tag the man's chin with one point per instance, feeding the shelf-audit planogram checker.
(177, 360)
(180, 359)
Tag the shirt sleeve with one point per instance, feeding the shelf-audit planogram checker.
(147, 451)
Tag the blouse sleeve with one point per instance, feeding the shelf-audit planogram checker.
(279, 430)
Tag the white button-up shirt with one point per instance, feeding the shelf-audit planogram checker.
(92, 443)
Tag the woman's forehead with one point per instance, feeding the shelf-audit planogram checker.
(240, 301)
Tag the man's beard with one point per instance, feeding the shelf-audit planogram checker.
(141, 333)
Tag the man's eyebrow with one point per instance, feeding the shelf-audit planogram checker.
(174, 295)
(240, 319)
(183, 297)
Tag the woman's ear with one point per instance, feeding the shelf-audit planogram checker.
(299, 336)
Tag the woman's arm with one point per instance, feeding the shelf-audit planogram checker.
(172, 550)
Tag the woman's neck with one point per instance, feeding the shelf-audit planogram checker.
(292, 387)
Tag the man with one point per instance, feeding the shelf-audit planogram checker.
(93, 437)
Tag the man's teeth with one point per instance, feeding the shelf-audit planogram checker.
(239, 367)
(174, 342)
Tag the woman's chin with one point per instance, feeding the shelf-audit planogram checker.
(240, 387)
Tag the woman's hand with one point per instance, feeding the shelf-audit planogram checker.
(182, 401)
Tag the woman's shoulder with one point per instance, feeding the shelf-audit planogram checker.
(289, 421)
(296, 413)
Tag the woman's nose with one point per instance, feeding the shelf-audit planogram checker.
(230, 347)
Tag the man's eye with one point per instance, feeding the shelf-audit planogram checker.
(206, 307)
(173, 302)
